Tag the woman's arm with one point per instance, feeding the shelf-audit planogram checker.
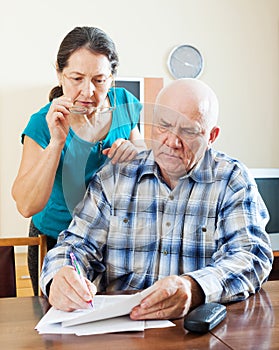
(33, 184)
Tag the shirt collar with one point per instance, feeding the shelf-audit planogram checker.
(202, 172)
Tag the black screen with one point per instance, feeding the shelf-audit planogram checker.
(269, 190)
(132, 86)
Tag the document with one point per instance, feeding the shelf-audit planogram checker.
(110, 314)
(119, 305)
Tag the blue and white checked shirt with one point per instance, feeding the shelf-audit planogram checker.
(131, 229)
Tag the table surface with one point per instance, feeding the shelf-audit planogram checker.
(250, 324)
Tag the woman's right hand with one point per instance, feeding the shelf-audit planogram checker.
(57, 119)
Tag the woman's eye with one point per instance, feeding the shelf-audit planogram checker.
(99, 81)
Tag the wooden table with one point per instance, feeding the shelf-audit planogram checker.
(253, 323)
(250, 324)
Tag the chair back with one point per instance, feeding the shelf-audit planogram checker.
(7, 260)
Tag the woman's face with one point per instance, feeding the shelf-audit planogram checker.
(86, 79)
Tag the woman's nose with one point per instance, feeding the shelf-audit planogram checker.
(89, 88)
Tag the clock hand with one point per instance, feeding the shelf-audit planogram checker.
(188, 64)
(185, 63)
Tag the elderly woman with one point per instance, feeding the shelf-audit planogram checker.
(86, 122)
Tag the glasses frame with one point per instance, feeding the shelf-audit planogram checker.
(96, 110)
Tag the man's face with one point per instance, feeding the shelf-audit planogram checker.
(179, 140)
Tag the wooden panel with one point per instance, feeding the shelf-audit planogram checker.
(23, 281)
(274, 275)
(152, 86)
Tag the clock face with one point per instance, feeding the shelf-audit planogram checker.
(185, 61)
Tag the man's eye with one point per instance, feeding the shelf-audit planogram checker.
(163, 127)
(190, 132)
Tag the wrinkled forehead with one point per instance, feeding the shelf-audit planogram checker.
(194, 101)
(183, 117)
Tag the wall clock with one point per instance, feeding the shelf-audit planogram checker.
(185, 61)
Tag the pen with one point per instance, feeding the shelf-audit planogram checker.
(77, 269)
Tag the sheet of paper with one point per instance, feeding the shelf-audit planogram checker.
(52, 322)
(111, 325)
(122, 305)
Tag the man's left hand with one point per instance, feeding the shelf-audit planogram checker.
(172, 299)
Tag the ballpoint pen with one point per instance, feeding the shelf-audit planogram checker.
(77, 269)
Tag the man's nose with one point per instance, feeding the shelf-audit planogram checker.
(173, 140)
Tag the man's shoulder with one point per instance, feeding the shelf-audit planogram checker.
(231, 169)
(217, 166)
(142, 162)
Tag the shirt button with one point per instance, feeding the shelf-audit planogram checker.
(171, 197)
(125, 220)
(204, 229)
(165, 252)
(168, 224)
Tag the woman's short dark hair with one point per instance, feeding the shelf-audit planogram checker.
(94, 39)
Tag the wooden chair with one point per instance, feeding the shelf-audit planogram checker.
(7, 260)
(274, 274)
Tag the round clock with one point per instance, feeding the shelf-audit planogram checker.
(185, 61)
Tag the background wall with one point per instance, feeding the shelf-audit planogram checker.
(238, 39)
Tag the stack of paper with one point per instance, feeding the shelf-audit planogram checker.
(110, 314)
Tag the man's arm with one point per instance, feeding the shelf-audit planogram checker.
(173, 298)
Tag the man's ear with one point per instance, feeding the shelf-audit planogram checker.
(213, 135)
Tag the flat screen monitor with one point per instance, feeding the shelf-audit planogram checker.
(267, 180)
(135, 85)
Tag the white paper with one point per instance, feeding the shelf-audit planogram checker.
(88, 322)
(122, 305)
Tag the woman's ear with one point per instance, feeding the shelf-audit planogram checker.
(58, 74)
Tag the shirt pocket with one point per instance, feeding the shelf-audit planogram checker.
(199, 241)
(131, 245)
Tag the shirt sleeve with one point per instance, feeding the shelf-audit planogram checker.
(91, 219)
(37, 128)
(243, 259)
(130, 106)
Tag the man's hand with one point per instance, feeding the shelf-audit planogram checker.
(67, 292)
(173, 298)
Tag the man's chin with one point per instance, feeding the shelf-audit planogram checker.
(174, 169)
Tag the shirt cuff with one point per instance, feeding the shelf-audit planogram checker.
(209, 283)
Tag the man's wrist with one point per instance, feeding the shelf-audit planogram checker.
(197, 293)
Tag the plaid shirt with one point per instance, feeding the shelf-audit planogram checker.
(131, 229)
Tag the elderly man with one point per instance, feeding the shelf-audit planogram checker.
(181, 216)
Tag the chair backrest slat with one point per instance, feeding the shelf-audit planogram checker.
(7, 260)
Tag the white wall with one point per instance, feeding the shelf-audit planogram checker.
(238, 39)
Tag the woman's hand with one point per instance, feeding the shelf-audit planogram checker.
(121, 151)
(57, 119)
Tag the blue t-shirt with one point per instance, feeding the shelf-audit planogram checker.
(79, 160)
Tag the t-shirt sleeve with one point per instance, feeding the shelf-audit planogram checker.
(134, 107)
(129, 106)
(37, 128)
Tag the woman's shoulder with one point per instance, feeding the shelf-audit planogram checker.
(37, 127)
(42, 112)
(125, 96)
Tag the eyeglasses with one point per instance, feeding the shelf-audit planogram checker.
(76, 109)
(77, 80)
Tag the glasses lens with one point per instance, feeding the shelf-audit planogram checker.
(78, 110)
